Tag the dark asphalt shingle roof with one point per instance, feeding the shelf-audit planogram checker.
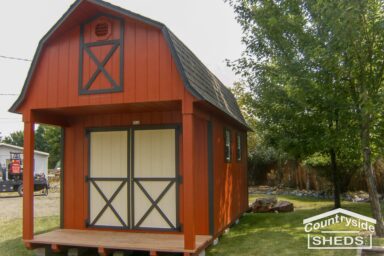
(204, 82)
(197, 78)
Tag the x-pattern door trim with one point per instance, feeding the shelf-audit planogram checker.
(100, 65)
(155, 203)
(108, 202)
(131, 181)
(117, 45)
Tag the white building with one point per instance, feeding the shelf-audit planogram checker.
(41, 158)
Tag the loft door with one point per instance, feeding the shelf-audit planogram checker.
(133, 179)
(108, 179)
(154, 179)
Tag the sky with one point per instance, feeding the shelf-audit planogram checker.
(208, 28)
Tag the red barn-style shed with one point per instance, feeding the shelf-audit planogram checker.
(154, 145)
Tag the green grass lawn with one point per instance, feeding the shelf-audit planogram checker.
(256, 234)
(10, 234)
(281, 233)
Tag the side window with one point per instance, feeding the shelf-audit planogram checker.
(239, 146)
(227, 145)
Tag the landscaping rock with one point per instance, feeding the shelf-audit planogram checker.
(357, 196)
(362, 196)
(283, 206)
(263, 204)
(270, 204)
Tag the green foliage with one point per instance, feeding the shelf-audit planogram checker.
(265, 155)
(52, 137)
(15, 138)
(317, 160)
(311, 70)
(40, 141)
(316, 70)
(300, 104)
(261, 155)
(47, 139)
(246, 104)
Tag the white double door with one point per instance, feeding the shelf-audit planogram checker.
(133, 179)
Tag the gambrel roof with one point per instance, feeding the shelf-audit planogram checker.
(197, 78)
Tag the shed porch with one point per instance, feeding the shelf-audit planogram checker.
(75, 212)
(106, 241)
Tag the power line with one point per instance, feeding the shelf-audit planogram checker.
(14, 58)
(8, 94)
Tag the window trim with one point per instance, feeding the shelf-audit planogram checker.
(227, 159)
(239, 150)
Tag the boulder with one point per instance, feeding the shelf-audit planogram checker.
(270, 204)
(283, 206)
(263, 204)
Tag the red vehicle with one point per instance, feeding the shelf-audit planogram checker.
(13, 177)
(14, 167)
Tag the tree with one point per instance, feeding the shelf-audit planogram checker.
(15, 138)
(315, 69)
(47, 139)
(41, 143)
(362, 36)
(52, 136)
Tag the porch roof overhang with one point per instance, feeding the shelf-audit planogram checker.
(62, 116)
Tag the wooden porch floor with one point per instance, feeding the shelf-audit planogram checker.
(109, 240)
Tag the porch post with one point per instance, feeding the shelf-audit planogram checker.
(188, 173)
(29, 141)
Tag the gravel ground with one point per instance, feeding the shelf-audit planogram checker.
(11, 205)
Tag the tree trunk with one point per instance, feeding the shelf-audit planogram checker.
(334, 128)
(336, 180)
(369, 175)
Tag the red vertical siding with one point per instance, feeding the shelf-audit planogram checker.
(153, 46)
(141, 88)
(201, 177)
(230, 193)
(165, 70)
(62, 91)
(52, 86)
(76, 157)
(150, 73)
(129, 63)
(73, 74)
(69, 177)
(80, 177)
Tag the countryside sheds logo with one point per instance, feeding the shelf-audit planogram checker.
(339, 229)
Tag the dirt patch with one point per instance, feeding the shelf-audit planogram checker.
(11, 205)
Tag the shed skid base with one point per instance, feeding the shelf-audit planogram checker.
(109, 241)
